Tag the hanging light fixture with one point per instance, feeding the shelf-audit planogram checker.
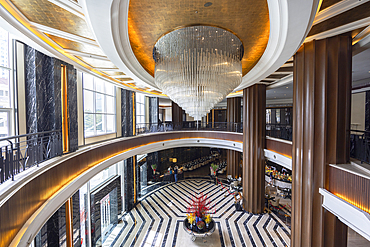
(198, 66)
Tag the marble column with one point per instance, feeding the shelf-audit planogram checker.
(127, 112)
(152, 158)
(153, 110)
(128, 171)
(72, 108)
(321, 122)
(254, 128)
(43, 97)
(233, 116)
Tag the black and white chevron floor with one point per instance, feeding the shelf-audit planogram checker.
(157, 221)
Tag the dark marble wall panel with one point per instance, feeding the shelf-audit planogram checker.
(76, 219)
(43, 95)
(72, 107)
(127, 104)
(128, 171)
(152, 158)
(153, 110)
(113, 188)
(53, 227)
(56, 88)
(30, 89)
(62, 226)
(41, 237)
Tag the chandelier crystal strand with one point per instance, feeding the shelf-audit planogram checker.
(198, 66)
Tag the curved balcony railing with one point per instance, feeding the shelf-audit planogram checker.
(360, 145)
(18, 153)
(281, 131)
(142, 128)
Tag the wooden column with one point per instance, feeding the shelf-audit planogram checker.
(322, 96)
(254, 128)
(69, 222)
(233, 116)
(176, 114)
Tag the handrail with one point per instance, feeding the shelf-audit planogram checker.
(26, 135)
(360, 145)
(19, 155)
(142, 128)
(362, 131)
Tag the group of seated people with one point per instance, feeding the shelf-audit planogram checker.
(206, 160)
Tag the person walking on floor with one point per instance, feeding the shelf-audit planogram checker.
(175, 173)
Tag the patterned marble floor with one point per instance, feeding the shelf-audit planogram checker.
(157, 221)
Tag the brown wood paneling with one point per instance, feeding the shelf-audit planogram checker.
(233, 115)
(352, 15)
(350, 187)
(176, 113)
(254, 127)
(322, 79)
(20, 206)
(327, 3)
(279, 147)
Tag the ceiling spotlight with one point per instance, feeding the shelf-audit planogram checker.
(207, 4)
(287, 87)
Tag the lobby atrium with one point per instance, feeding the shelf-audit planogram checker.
(185, 123)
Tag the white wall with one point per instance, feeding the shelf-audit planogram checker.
(118, 112)
(167, 114)
(358, 111)
(80, 110)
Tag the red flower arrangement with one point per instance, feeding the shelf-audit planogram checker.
(200, 206)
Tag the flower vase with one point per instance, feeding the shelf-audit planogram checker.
(191, 226)
(207, 225)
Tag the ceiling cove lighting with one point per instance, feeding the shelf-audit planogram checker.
(198, 66)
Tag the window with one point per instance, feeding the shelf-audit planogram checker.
(99, 106)
(140, 108)
(5, 83)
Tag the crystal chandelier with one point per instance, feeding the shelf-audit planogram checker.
(198, 66)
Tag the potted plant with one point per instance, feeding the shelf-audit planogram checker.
(208, 220)
(154, 167)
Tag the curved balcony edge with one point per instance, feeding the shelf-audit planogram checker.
(32, 202)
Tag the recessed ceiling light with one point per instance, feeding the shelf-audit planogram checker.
(274, 91)
(207, 4)
(287, 87)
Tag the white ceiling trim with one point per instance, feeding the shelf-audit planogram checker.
(337, 9)
(70, 6)
(290, 22)
(120, 76)
(362, 42)
(338, 30)
(283, 81)
(63, 34)
(84, 54)
(109, 22)
(25, 34)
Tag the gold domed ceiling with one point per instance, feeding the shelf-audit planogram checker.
(148, 20)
